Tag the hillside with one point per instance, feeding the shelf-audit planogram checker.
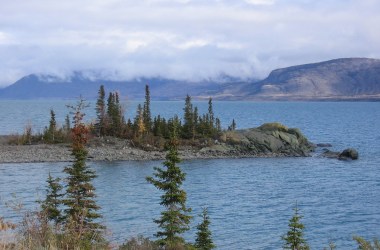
(339, 79)
(47, 86)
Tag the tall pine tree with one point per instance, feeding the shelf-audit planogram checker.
(175, 219)
(81, 206)
(101, 112)
(146, 111)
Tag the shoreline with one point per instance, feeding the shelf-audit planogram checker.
(42, 153)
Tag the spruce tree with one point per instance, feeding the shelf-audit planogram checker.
(146, 110)
(51, 205)
(204, 240)
(100, 112)
(174, 220)
(81, 206)
(188, 123)
(52, 127)
(294, 239)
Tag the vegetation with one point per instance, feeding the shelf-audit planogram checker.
(204, 240)
(175, 220)
(294, 238)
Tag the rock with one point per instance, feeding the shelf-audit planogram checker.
(268, 139)
(349, 153)
(346, 154)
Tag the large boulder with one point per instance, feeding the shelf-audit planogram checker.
(349, 153)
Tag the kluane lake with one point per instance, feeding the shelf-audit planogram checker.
(250, 200)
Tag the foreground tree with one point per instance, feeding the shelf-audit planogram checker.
(81, 206)
(367, 245)
(51, 205)
(204, 240)
(294, 239)
(175, 220)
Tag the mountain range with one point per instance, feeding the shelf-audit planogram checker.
(338, 79)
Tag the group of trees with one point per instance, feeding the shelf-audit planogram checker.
(111, 121)
(72, 212)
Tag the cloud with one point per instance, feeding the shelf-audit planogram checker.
(183, 39)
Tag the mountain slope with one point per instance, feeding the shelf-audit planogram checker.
(347, 78)
(45, 86)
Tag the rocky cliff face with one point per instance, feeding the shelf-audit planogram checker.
(349, 78)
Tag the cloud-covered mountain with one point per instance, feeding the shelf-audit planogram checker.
(82, 84)
(339, 79)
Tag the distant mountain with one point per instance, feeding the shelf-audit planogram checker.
(339, 79)
(47, 86)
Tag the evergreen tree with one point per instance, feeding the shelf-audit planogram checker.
(232, 127)
(100, 112)
(174, 220)
(146, 111)
(367, 245)
(52, 127)
(294, 239)
(204, 240)
(188, 123)
(211, 113)
(51, 205)
(218, 126)
(67, 126)
(81, 206)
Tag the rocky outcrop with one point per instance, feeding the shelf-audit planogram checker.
(270, 139)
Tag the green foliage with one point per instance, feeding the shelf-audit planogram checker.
(79, 200)
(274, 126)
(53, 201)
(174, 220)
(147, 118)
(367, 245)
(139, 243)
(204, 240)
(294, 238)
(232, 127)
(100, 124)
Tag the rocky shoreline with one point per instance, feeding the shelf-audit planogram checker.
(268, 140)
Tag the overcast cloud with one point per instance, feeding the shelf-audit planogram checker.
(182, 39)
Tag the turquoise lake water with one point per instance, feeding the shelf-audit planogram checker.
(250, 200)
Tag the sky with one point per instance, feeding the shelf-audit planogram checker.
(181, 39)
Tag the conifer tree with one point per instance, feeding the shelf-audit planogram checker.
(204, 240)
(294, 239)
(232, 127)
(174, 220)
(146, 110)
(52, 127)
(100, 112)
(51, 205)
(188, 123)
(211, 113)
(81, 206)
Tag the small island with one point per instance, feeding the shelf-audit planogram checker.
(200, 136)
